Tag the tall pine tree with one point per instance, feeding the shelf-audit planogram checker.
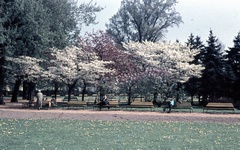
(212, 80)
(193, 84)
(233, 62)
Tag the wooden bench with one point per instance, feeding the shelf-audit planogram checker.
(137, 104)
(47, 104)
(81, 104)
(27, 104)
(184, 105)
(73, 98)
(218, 106)
(33, 104)
(112, 104)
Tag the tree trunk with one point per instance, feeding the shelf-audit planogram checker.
(69, 92)
(1, 91)
(25, 90)
(31, 91)
(129, 94)
(84, 89)
(70, 89)
(155, 101)
(1, 97)
(155, 95)
(192, 99)
(101, 92)
(16, 90)
(56, 86)
(2, 76)
(178, 87)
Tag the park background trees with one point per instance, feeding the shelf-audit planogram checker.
(107, 50)
(30, 28)
(140, 62)
(167, 64)
(139, 21)
(233, 61)
(220, 76)
(72, 65)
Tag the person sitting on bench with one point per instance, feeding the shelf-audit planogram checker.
(170, 104)
(104, 101)
(53, 101)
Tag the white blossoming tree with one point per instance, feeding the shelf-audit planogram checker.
(172, 62)
(28, 69)
(73, 64)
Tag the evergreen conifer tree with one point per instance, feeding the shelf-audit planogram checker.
(192, 86)
(212, 80)
(233, 62)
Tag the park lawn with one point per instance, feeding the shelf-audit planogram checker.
(47, 134)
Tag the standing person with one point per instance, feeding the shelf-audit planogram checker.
(39, 99)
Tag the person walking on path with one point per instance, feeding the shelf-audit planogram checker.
(39, 99)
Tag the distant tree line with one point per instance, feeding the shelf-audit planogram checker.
(41, 47)
(221, 75)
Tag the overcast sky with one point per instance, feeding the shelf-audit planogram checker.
(199, 16)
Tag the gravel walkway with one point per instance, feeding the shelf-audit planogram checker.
(116, 115)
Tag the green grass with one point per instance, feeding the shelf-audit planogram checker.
(124, 135)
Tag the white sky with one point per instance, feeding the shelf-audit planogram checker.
(199, 16)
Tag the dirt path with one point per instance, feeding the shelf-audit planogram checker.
(117, 115)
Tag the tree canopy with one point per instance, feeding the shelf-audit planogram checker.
(30, 28)
(233, 62)
(169, 64)
(143, 20)
(73, 64)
